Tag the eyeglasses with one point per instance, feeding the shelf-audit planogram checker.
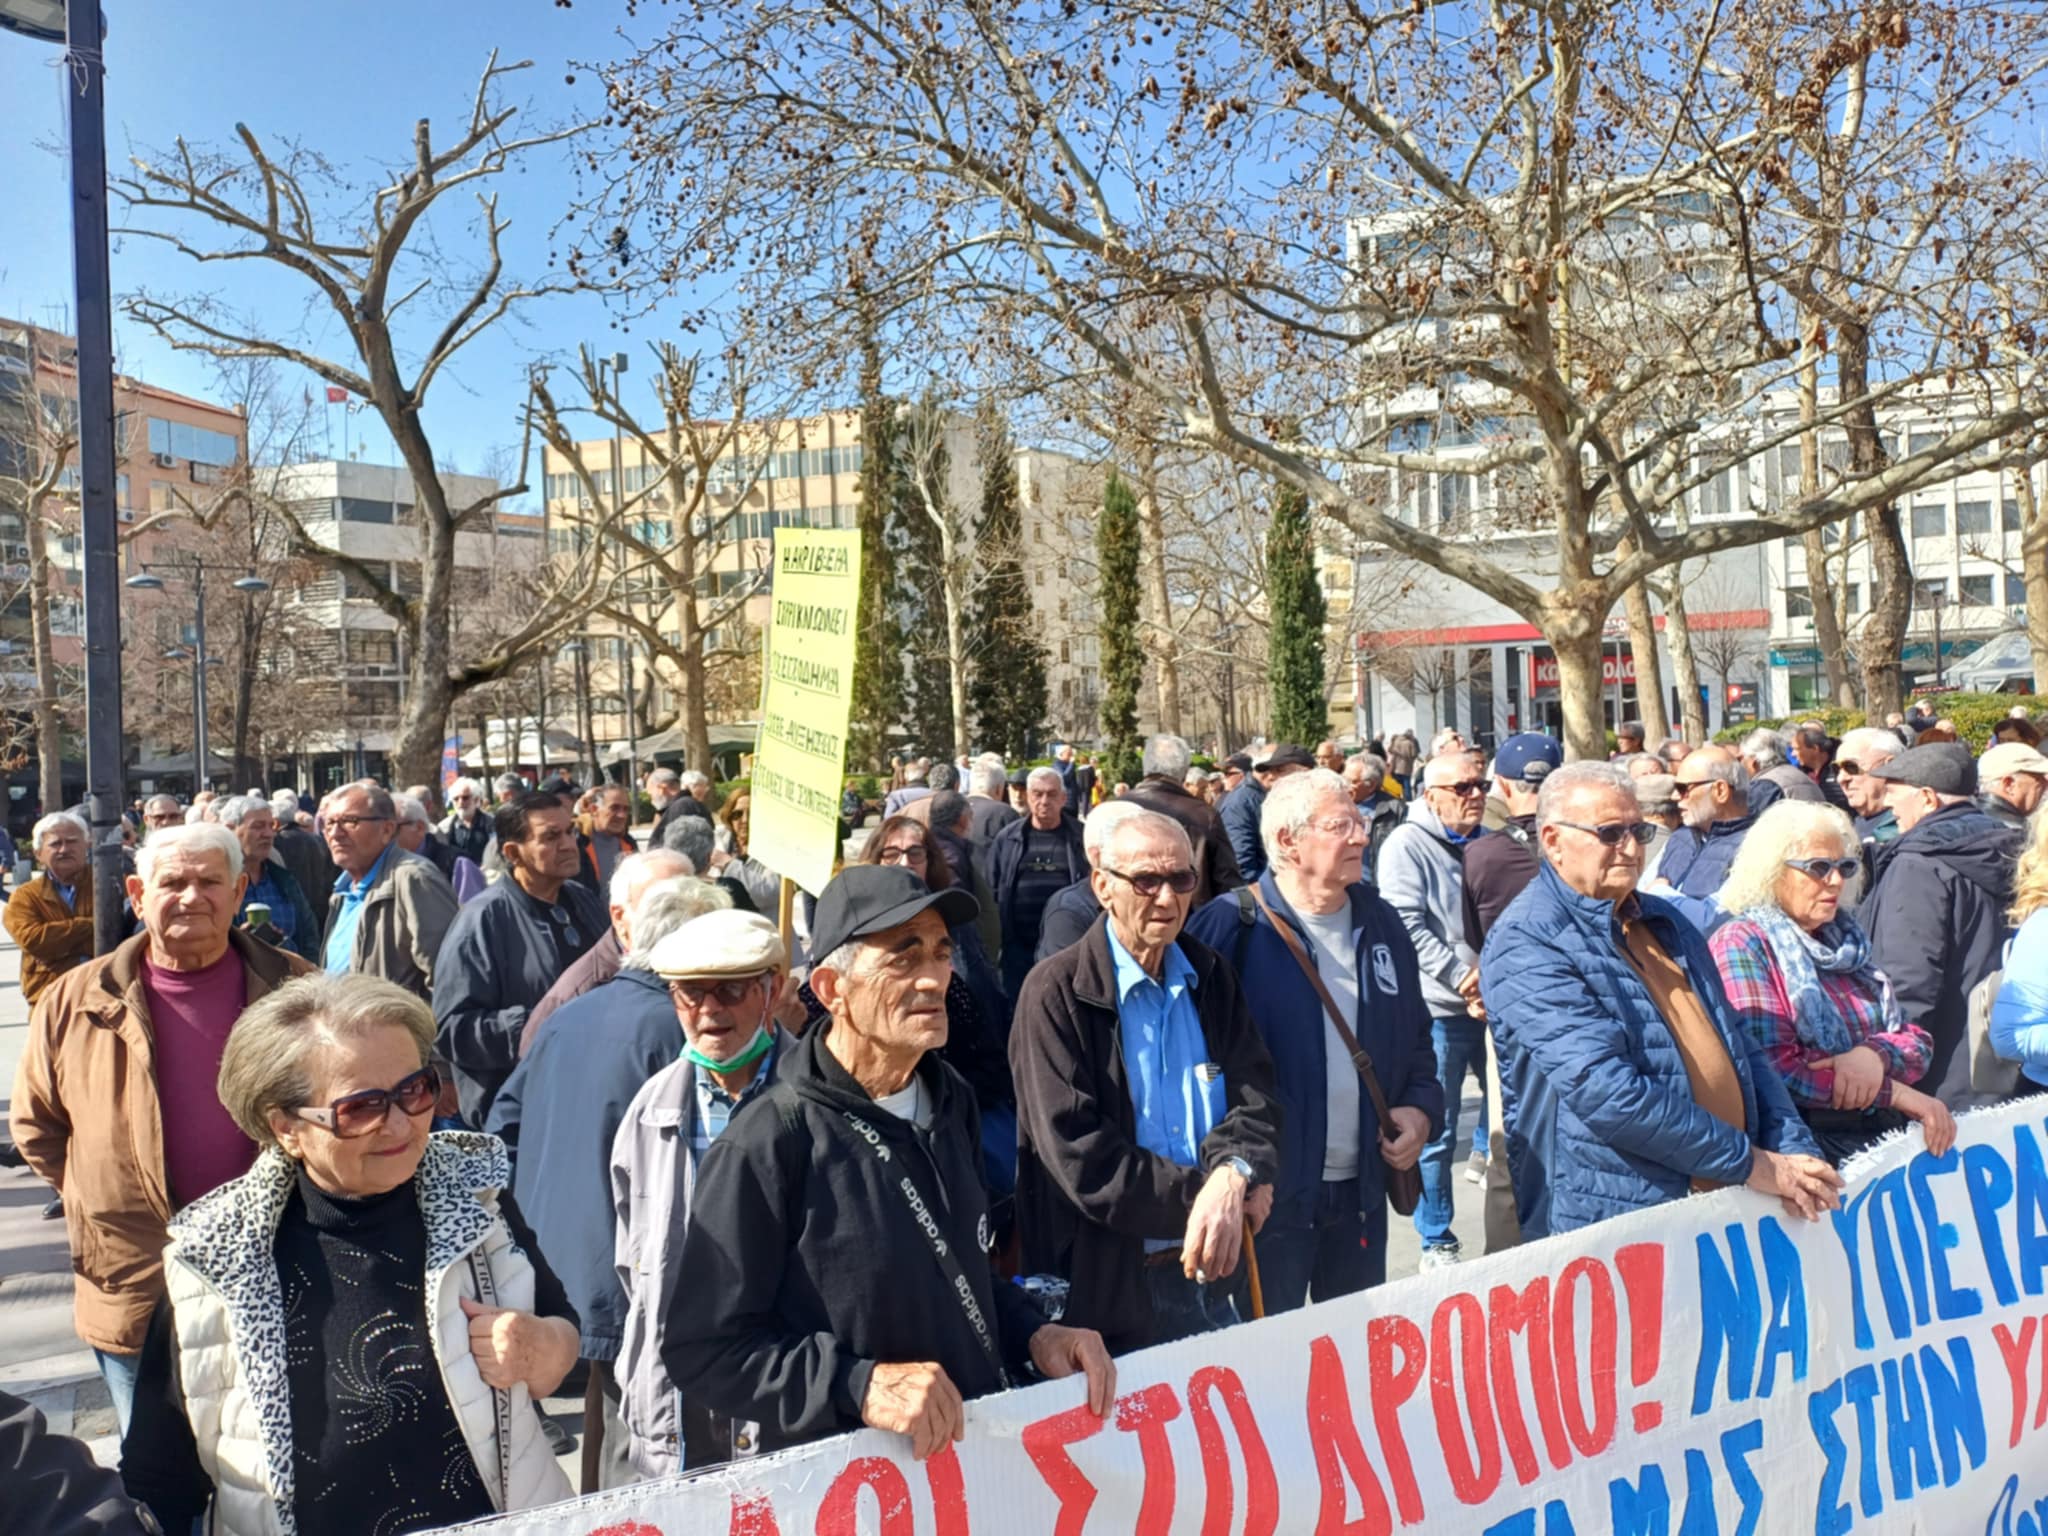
(916, 853)
(729, 993)
(1182, 881)
(1462, 788)
(350, 823)
(1820, 868)
(358, 1114)
(1341, 826)
(1615, 832)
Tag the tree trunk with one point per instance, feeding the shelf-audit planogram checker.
(1642, 640)
(2034, 570)
(1158, 604)
(1891, 603)
(483, 747)
(245, 691)
(1579, 688)
(956, 637)
(1820, 587)
(49, 723)
(1684, 665)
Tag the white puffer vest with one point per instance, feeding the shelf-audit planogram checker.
(228, 1311)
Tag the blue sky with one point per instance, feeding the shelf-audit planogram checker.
(349, 80)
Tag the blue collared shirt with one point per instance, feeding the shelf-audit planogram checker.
(68, 892)
(341, 943)
(716, 1107)
(1176, 1091)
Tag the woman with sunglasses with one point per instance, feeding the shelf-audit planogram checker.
(357, 1329)
(1797, 970)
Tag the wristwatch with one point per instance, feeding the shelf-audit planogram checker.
(1240, 1167)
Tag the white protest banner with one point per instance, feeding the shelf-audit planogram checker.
(1709, 1368)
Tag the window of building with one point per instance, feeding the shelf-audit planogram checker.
(353, 585)
(2009, 517)
(1066, 652)
(207, 474)
(406, 578)
(370, 647)
(1932, 593)
(1038, 577)
(2015, 591)
(1456, 497)
(1930, 521)
(372, 701)
(181, 441)
(163, 496)
(1973, 517)
(1798, 603)
(1855, 597)
(1976, 591)
(1922, 440)
(356, 509)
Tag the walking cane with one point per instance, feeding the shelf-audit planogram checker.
(1251, 1269)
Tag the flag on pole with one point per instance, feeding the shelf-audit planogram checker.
(336, 396)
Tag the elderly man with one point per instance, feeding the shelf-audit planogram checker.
(1629, 738)
(468, 827)
(1329, 755)
(1936, 917)
(1327, 1235)
(1499, 865)
(509, 946)
(725, 974)
(1071, 913)
(837, 1247)
(161, 811)
(600, 963)
(1147, 1120)
(1164, 789)
(1767, 759)
(665, 791)
(290, 922)
(1422, 877)
(1239, 810)
(608, 840)
(391, 910)
(559, 1111)
(114, 1100)
(988, 802)
(1031, 861)
(51, 917)
(416, 835)
(1860, 751)
(1626, 1079)
(2010, 778)
(913, 788)
(1714, 793)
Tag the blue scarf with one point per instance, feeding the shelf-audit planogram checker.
(1839, 948)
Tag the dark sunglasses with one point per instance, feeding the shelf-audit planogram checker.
(358, 1114)
(1182, 881)
(1463, 787)
(729, 993)
(1819, 868)
(1615, 832)
(1848, 770)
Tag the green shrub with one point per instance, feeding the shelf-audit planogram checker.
(1975, 715)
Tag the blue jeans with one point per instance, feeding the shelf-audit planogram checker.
(119, 1373)
(1182, 1308)
(1337, 1251)
(1479, 1126)
(1460, 1048)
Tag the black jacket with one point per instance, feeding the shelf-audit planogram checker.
(1214, 862)
(53, 1485)
(808, 1267)
(684, 804)
(306, 856)
(1497, 867)
(1006, 857)
(1936, 921)
(1068, 916)
(1088, 1196)
(468, 838)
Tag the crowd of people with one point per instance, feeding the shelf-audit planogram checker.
(1052, 1069)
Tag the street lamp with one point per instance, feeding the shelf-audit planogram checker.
(247, 584)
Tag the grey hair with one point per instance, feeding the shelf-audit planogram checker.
(665, 906)
(1103, 821)
(1372, 768)
(1042, 774)
(1561, 783)
(377, 802)
(942, 776)
(1765, 745)
(170, 800)
(1148, 822)
(1869, 741)
(693, 780)
(462, 784)
(59, 819)
(409, 809)
(691, 836)
(239, 808)
(284, 805)
(193, 837)
(916, 769)
(636, 871)
(664, 776)
(1729, 771)
(990, 779)
(508, 783)
(1169, 755)
(1291, 802)
(839, 960)
(266, 1063)
(1760, 858)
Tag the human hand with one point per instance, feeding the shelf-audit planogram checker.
(1402, 1150)
(1859, 1076)
(1258, 1206)
(1806, 1185)
(918, 1400)
(516, 1348)
(1468, 985)
(1936, 1124)
(1059, 1352)
(1215, 1228)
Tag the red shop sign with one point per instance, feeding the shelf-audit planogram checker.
(1543, 670)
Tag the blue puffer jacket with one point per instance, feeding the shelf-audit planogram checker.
(1697, 867)
(1391, 1023)
(1600, 1113)
(1239, 813)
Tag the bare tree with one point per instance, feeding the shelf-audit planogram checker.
(405, 310)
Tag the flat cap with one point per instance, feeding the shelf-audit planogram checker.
(721, 943)
(1287, 755)
(1945, 767)
(2010, 757)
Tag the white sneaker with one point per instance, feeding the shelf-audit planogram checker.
(1475, 1168)
(1441, 1258)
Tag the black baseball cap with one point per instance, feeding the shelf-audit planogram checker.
(871, 898)
(1287, 755)
(1946, 767)
(559, 784)
(1241, 761)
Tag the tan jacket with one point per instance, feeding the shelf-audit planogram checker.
(85, 1115)
(404, 919)
(53, 938)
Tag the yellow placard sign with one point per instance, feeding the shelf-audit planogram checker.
(806, 697)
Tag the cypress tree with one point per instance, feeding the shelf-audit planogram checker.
(1007, 692)
(878, 650)
(919, 557)
(1294, 645)
(1123, 657)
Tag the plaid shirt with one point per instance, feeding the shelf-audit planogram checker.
(716, 1107)
(1756, 991)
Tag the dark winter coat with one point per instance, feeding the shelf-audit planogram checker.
(1937, 927)
(54, 1487)
(1088, 1196)
(1498, 867)
(1239, 813)
(1215, 864)
(1006, 858)
(1068, 916)
(808, 1266)
(1697, 866)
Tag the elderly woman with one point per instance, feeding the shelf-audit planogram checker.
(357, 1328)
(1797, 970)
(2019, 1018)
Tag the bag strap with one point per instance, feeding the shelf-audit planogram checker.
(501, 1401)
(863, 1134)
(1247, 923)
(1359, 1059)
